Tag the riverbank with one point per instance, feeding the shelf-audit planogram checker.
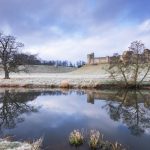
(45, 80)
(15, 145)
(62, 80)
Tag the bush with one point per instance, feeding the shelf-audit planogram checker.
(76, 138)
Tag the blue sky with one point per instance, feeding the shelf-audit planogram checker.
(69, 29)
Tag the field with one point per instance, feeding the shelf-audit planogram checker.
(46, 76)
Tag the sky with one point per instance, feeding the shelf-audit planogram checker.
(70, 29)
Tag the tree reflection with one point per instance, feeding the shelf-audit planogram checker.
(133, 109)
(13, 105)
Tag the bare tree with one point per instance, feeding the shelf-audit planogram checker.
(9, 48)
(132, 67)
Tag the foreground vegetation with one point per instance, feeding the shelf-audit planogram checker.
(6, 144)
(77, 138)
(94, 139)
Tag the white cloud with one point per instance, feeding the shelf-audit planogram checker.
(76, 47)
(145, 26)
(70, 29)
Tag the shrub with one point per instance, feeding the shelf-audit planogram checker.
(117, 146)
(76, 138)
(95, 139)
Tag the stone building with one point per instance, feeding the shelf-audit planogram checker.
(91, 59)
(127, 56)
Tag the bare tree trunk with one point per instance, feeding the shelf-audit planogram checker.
(6, 73)
(136, 71)
(124, 76)
(145, 75)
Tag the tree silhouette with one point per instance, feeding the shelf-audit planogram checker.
(9, 48)
(132, 68)
(12, 105)
(131, 110)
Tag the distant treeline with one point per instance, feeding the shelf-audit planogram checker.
(34, 60)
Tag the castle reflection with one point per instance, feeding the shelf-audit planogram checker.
(128, 96)
(132, 108)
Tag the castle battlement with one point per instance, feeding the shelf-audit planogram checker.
(126, 57)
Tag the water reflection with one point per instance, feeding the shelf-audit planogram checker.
(12, 105)
(130, 107)
(55, 113)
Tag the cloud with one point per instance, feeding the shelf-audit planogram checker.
(145, 26)
(103, 43)
(58, 29)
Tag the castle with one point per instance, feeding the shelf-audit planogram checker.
(127, 56)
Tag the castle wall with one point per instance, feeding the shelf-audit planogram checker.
(100, 60)
(127, 56)
(103, 60)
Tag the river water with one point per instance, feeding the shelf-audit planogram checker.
(28, 114)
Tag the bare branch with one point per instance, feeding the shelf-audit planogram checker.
(131, 64)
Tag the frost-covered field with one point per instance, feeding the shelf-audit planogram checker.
(47, 69)
(45, 79)
(87, 76)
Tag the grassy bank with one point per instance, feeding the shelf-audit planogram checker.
(66, 82)
(87, 77)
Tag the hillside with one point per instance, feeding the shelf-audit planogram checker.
(88, 76)
(47, 69)
(91, 70)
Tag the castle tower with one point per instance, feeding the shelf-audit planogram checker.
(90, 58)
